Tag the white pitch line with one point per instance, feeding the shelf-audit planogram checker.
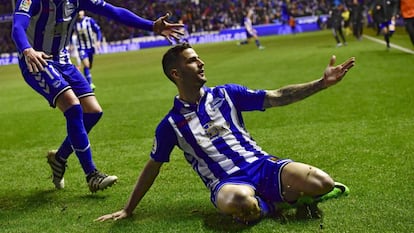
(391, 44)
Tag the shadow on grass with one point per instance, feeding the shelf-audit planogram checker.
(16, 201)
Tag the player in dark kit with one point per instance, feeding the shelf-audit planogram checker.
(357, 10)
(385, 11)
(336, 20)
(42, 31)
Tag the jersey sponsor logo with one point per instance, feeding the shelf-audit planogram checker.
(213, 131)
(25, 5)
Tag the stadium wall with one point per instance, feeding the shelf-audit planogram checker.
(303, 24)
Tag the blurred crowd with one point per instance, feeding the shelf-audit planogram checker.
(198, 15)
(210, 15)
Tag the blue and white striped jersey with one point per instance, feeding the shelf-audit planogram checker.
(50, 25)
(211, 134)
(88, 32)
(46, 25)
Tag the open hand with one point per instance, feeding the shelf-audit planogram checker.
(168, 30)
(114, 216)
(334, 74)
(35, 60)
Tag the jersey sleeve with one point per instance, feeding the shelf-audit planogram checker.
(96, 29)
(164, 141)
(21, 19)
(119, 14)
(246, 99)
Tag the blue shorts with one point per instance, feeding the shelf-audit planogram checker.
(87, 53)
(56, 79)
(264, 176)
(385, 24)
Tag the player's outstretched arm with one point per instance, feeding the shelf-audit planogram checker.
(293, 93)
(144, 183)
(160, 26)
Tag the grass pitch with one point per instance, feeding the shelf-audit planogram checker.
(360, 131)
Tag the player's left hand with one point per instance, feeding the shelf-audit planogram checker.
(334, 74)
(168, 30)
(114, 216)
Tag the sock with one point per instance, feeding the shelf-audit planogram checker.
(257, 43)
(387, 39)
(78, 137)
(244, 42)
(88, 75)
(265, 208)
(89, 121)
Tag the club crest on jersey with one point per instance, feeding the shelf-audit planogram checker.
(96, 2)
(216, 103)
(25, 5)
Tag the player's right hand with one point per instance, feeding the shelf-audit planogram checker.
(35, 60)
(114, 216)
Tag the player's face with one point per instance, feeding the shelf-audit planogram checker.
(191, 68)
(81, 14)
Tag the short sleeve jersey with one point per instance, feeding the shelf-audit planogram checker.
(211, 134)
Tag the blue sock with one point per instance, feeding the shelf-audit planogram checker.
(257, 43)
(89, 121)
(78, 137)
(265, 208)
(88, 75)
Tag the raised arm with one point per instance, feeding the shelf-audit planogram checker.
(160, 26)
(293, 93)
(144, 183)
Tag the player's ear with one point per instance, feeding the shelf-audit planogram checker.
(174, 74)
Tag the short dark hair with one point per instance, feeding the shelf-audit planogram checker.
(172, 56)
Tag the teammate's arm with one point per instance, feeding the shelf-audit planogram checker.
(293, 93)
(144, 183)
(35, 60)
(160, 26)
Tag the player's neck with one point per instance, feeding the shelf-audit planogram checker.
(191, 97)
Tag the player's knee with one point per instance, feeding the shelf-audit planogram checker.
(322, 182)
(241, 204)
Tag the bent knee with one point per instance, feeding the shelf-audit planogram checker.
(322, 182)
(239, 202)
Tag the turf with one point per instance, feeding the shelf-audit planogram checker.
(360, 131)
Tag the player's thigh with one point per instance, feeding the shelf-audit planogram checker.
(49, 83)
(90, 104)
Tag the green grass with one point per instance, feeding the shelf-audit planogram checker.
(361, 132)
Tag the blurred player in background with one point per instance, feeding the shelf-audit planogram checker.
(207, 125)
(41, 31)
(250, 31)
(357, 17)
(89, 38)
(337, 23)
(73, 50)
(386, 11)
